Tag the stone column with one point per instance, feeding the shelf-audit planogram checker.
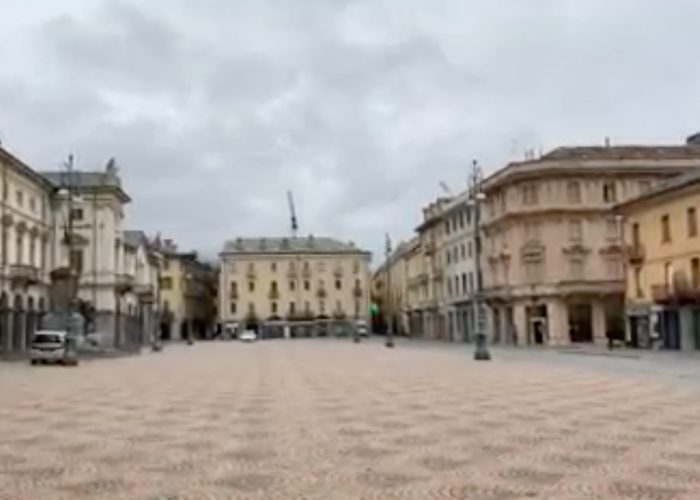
(685, 320)
(599, 322)
(557, 323)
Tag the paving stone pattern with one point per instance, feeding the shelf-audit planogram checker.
(328, 419)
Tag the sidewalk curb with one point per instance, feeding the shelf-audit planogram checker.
(602, 354)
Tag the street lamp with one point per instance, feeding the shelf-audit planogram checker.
(389, 341)
(481, 351)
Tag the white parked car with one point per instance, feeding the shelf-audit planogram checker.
(362, 328)
(248, 336)
(52, 346)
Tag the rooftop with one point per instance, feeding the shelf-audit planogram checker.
(670, 186)
(624, 152)
(306, 245)
(89, 180)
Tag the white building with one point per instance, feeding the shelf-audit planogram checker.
(456, 247)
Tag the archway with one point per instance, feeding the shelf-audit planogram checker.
(18, 322)
(31, 323)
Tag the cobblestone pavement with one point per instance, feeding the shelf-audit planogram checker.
(326, 419)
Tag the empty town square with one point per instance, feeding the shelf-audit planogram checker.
(333, 419)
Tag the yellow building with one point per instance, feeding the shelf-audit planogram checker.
(292, 286)
(187, 295)
(663, 272)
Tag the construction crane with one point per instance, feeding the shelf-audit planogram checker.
(293, 214)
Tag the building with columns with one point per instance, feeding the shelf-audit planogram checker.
(297, 286)
(26, 256)
(553, 256)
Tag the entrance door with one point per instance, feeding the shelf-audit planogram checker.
(670, 329)
(580, 323)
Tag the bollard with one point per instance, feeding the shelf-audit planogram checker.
(481, 353)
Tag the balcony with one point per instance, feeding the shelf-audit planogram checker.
(123, 283)
(636, 253)
(681, 292)
(429, 248)
(292, 273)
(24, 274)
(250, 273)
(273, 294)
(306, 272)
(145, 293)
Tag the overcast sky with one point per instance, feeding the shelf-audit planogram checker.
(215, 108)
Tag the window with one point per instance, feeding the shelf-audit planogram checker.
(695, 272)
(292, 285)
(470, 250)
(575, 230)
(461, 220)
(321, 266)
(638, 282)
(32, 204)
(635, 234)
(307, 307)
(449, 288)
(233, 288)
(576, 269)
(166, 283)
(76, 214)
(665, 229)
(273, 266)
(251, 286)
(338, 284)
(338, 306)
(613, 268)
(455, 255)
(32, 251)
(533, 271)
(166, 264)
(668, 274)
(448, 256)
(609, 192)
(273, 307)
(462, 251)
(76, 260)
(464, 283)
(532, 231)
(573, 192)
(292, 307)
(251, 308)
(307, 285)
(447, 227)
(356, 267)
(19, 196)
(471, 282)
(530, 194)
(19, 249)
(322, 306)
(611, 229)
(233, 308)
(692, 222)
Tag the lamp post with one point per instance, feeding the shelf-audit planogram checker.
(481, 351)
(389, 341)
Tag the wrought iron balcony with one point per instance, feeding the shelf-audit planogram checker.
(123, 282)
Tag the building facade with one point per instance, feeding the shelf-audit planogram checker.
(63, 223)
(187, 295)
(459, 268)
(292, 286)
(26, 256)
(663, 273)
(553, 256)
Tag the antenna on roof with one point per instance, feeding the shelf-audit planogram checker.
(607, 141)
(446, 188)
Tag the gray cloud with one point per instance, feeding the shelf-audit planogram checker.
(215, 108)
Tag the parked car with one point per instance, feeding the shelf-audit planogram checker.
(248, 336)
(362, 328)
(53, 346)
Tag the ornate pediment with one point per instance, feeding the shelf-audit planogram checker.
(576, 249)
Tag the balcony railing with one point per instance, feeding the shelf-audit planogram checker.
(144, 292)
(123, 282)
(306, 272)
(292, 272)
(636, 253)
(24, 274)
